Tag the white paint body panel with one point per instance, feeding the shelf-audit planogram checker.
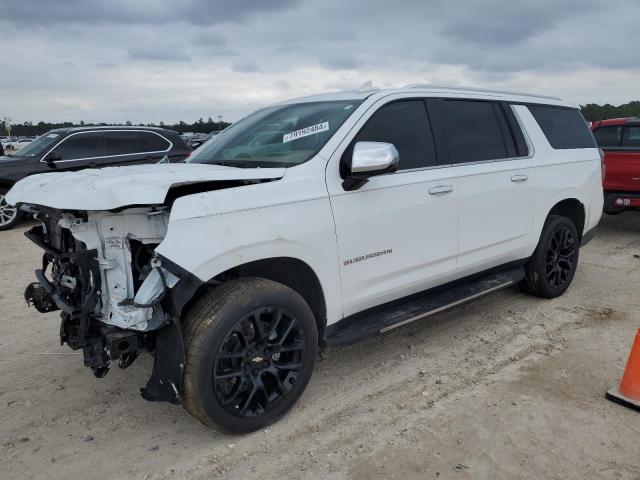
(485, 220)
(396, 213)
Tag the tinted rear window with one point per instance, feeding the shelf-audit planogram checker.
(124, 143)
(564, 127)
(608, 136)
(631, 137)
(474, 131)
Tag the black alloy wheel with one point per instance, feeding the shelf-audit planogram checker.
(560, 257)
(551, 268)
(251, 346)
(258, 361)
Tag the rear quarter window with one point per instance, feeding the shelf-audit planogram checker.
(565, 128)
(155, 143)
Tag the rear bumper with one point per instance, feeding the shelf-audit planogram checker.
(615, 202)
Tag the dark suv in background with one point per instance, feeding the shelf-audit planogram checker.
(77, 148)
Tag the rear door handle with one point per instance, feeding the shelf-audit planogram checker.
(440, 189)
(521, 177)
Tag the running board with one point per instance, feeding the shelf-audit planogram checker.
(401, 312)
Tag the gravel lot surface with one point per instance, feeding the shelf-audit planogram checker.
(509, 386)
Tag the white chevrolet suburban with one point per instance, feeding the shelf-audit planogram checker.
(315, 222)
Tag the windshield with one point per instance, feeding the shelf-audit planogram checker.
(39, 145)
(280, 136)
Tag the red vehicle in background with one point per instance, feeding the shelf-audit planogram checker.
(620, 140)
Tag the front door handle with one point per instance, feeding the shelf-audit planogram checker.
(521, 177)
(440, 189)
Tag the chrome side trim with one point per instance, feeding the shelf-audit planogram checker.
(42, 160)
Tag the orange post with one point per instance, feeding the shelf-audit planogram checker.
(628, 394)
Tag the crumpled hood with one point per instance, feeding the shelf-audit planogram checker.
(114, 187)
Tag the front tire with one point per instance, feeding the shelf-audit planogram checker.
(553, 264)
(9, 216)
(251, 346)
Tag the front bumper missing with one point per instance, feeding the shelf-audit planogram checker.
(76, 329)
(87, 262)
(81, 326)
(165, 383)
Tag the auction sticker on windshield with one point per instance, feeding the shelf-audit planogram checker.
(305, 132)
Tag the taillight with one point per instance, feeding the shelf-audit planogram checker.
(603, 167)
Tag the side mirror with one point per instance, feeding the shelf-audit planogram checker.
(369, 159)
(52, 157)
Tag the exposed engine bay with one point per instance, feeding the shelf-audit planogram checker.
(100, 231)
(115, 294)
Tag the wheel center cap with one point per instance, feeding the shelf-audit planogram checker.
(257, 359)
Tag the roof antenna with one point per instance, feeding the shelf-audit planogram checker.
(367, 87)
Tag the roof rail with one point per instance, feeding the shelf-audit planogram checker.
(428, 86)
(367, 87)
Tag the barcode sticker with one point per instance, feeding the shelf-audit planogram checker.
(305, 132)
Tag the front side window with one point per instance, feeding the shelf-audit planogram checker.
(280, 136)
(79, 146)
(405, 124)
(564, 127)
(608, 137)
(474, 131)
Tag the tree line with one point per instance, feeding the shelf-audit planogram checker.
(30, 129)
(592, 112)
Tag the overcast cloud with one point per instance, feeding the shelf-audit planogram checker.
(152, 60)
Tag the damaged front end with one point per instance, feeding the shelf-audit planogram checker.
(116, 295)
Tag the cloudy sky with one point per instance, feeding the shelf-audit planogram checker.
(147, 61)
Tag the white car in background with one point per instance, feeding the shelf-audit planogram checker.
(17, 143)
(6, 141)
(370, 210)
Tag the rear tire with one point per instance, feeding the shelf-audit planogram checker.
(9, 216)
(251, 346)
(553, 264)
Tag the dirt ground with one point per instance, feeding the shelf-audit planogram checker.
(507, 387)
